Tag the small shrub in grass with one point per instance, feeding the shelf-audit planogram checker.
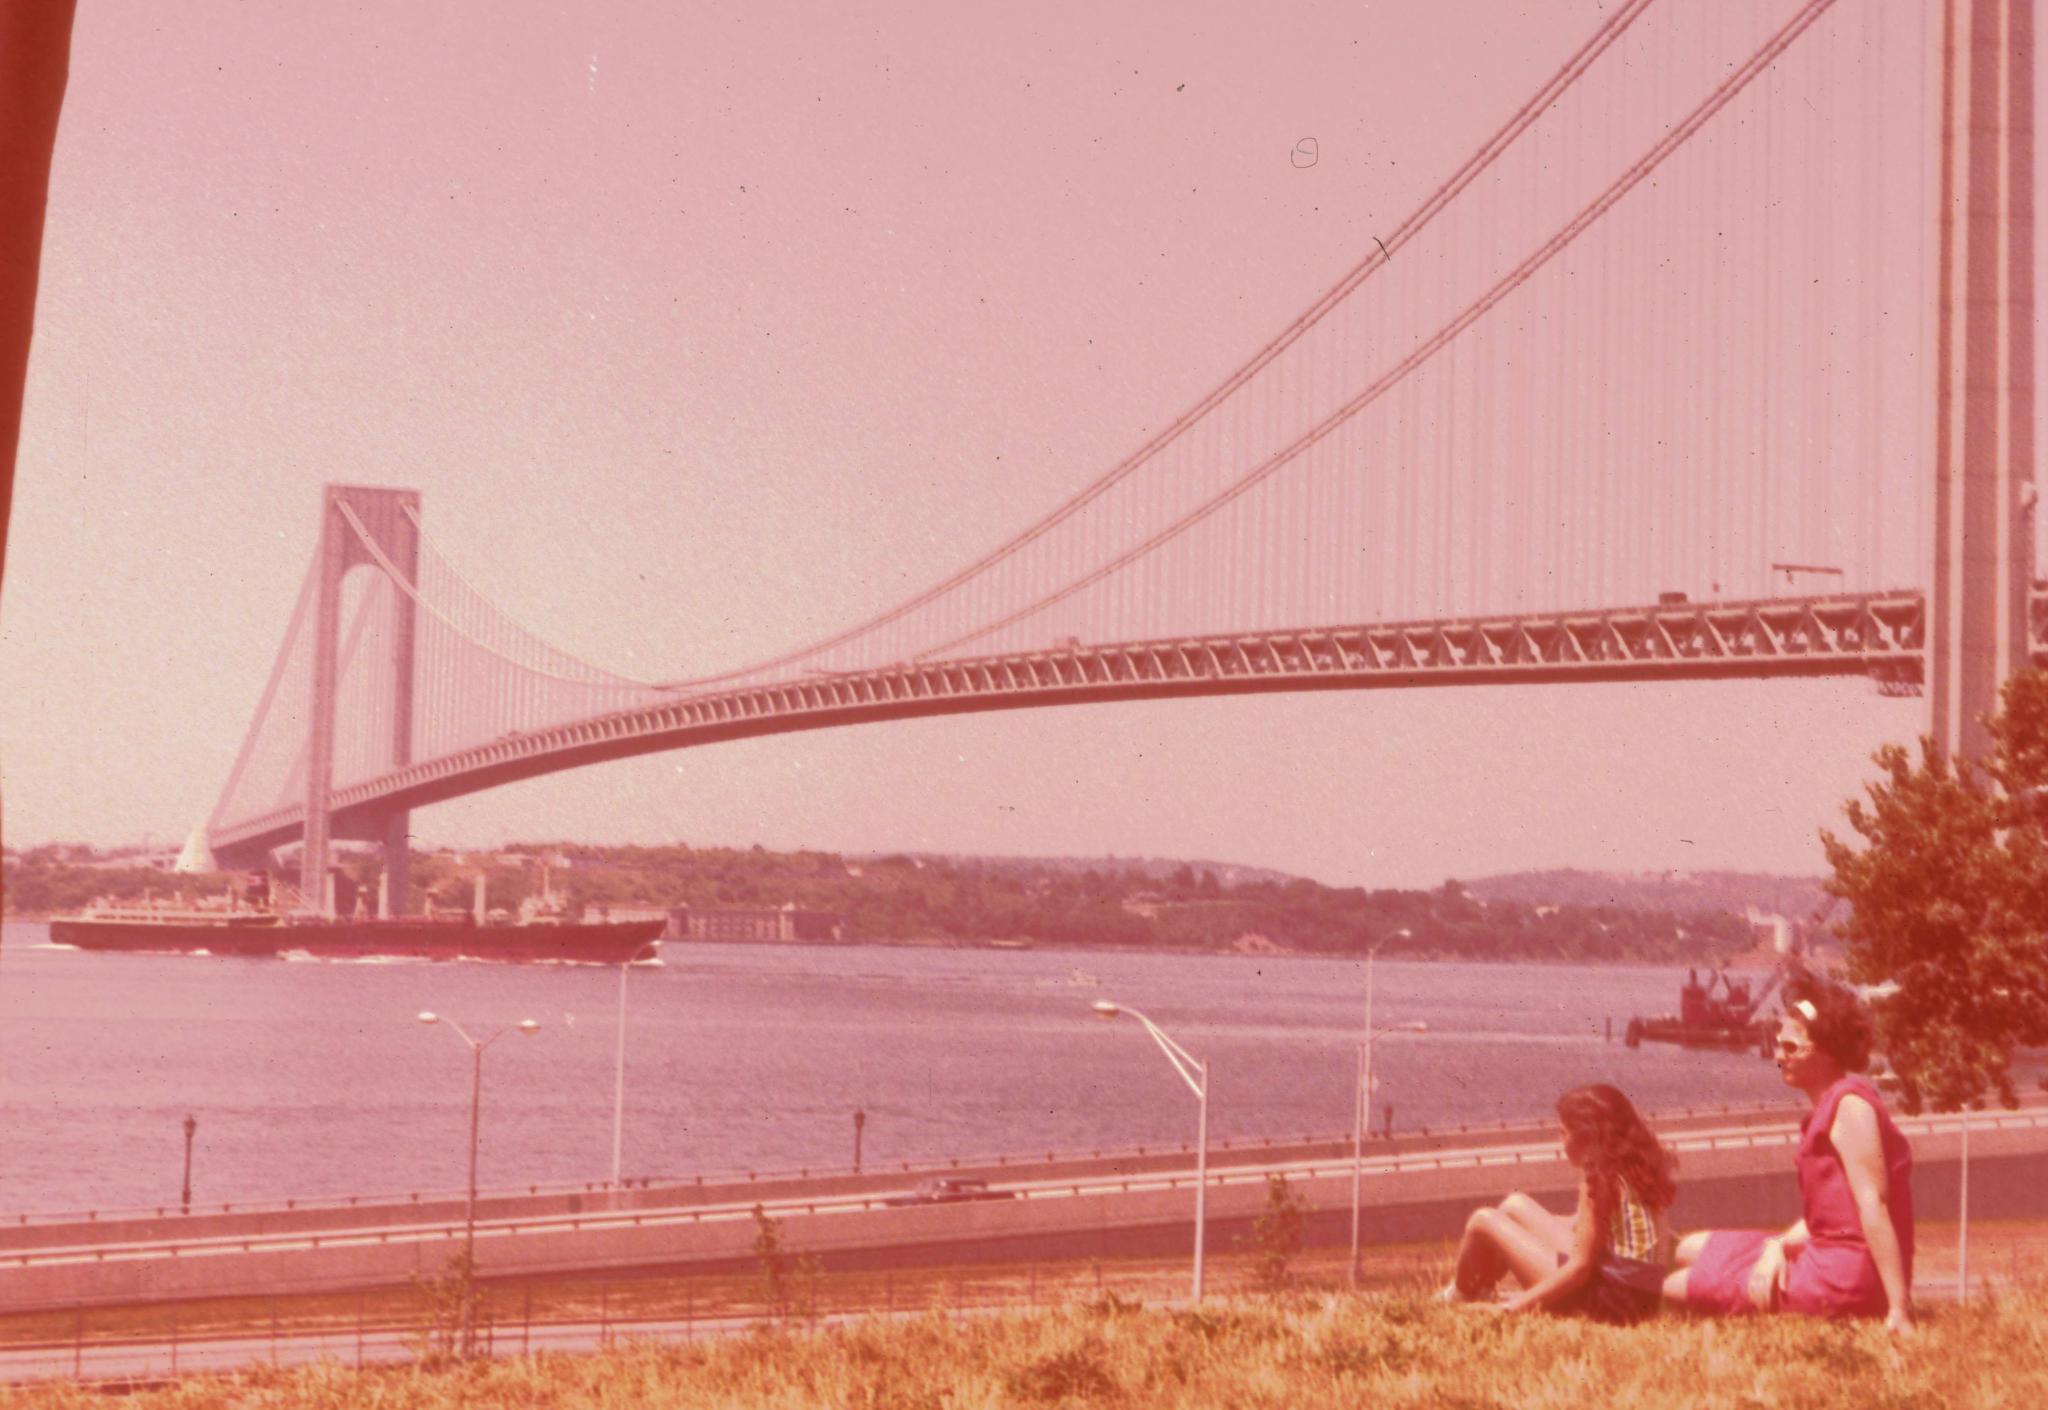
(1110, 1304)
(1079, 1372)
(777, 1287)
(1276, 1235)
(788, 1285)
(1228, 1323)
(451, 1307)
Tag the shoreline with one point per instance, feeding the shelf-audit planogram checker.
(1743, 964)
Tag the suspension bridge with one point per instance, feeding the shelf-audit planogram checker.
(1714, 359)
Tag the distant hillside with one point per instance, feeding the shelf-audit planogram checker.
(1130, 903)
(1675, 892)
(1227, 874)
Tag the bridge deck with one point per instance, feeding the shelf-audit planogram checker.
(1878, 635)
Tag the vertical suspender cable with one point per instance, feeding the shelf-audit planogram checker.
(259, 724)
(1766, 363)
(1820, 467)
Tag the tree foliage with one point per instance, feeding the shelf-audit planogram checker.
(1949, 898)
(452, 1306)
(36, 886)
(978, 900)
(776, 1285)
(1276, 1236)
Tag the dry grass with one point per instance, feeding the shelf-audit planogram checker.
(1304, 1353)
(1073, 1335)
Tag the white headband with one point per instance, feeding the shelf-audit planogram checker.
(1805, 1009)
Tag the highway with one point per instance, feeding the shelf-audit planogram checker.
(1735, 1168)
(1254, 1173)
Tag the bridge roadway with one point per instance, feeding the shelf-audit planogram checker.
(1735, 1169)
(1877, 634)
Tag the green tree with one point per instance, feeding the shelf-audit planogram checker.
(787, 1284)
(452, 1304)
(1276, 1235)
(1949, 898)
(775, 1267)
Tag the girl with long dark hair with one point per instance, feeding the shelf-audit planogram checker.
(1609, 1260)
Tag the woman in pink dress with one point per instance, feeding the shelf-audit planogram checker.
(1851, 1255)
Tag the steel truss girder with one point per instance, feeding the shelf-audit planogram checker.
(1880, 635)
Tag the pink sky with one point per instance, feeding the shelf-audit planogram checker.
(704, 330)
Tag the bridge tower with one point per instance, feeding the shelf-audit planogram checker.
(1984, 399)
(382, 514)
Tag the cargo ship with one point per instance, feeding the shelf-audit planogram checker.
(246, 926)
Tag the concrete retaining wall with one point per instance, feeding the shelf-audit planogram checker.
(1740, 1187)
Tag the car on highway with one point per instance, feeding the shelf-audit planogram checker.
(948, 1189)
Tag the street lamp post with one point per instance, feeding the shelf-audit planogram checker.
(1361, 1113)
(476, 1091)
(2035, 799)
(1963, 1217)
(1361, 1116)
(1195, 1072)
(185, 1193)
(1889, 1081)
(619, 1068)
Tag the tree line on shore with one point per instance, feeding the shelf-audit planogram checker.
(987, 900)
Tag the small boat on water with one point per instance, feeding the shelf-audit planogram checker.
(247, 926)
(1719, 1013)
(1725, 1012)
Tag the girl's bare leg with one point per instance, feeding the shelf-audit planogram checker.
(1554, 1231)
(1683, 1256)
(1495, 1245)
(1689, 1247)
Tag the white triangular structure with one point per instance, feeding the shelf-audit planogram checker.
(197, 856)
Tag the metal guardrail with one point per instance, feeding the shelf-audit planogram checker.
(736, 1177)
(708, 1179)
(597, 1221)
(1380, 1165)
(1533, 1153)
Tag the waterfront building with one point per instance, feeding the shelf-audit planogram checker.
(784, 924)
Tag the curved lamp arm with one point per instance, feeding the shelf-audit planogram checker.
(1185, 1063)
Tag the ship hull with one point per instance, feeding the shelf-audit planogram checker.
(250, 936)
(367, 939)
(436, 940)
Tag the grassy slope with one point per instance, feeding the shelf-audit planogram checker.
(1326, 1350)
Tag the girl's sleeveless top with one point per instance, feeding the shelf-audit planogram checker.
(1631, 1228)
(1627, 1281)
